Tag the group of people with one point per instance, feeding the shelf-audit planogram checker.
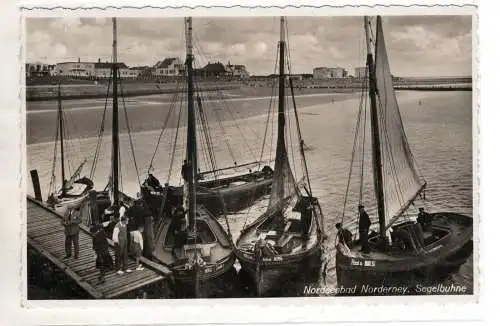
(120, 237)
(345, 236)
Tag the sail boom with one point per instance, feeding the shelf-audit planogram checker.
(405, 206)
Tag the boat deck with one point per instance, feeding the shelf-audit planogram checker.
(45, 234)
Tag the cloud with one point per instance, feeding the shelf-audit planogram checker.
(417, 45)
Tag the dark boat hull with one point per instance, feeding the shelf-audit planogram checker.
(271, 275)
(226, 199)
(214, 280)
(364, 272)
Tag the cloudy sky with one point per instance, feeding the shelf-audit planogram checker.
(417, 45)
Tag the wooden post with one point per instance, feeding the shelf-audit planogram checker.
(36, 185)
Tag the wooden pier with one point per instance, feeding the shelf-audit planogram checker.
(45, 234)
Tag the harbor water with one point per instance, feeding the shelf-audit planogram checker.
(438, 126)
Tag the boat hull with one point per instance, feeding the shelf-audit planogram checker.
(227, 199)
(271, 274)
(366, 271)
(214, 280)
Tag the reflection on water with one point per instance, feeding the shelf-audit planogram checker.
(439, 131)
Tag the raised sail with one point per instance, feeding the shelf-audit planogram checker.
(401, 180)
(284, 188)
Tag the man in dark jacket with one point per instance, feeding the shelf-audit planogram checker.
(104, 261)
(185, 171)
(344, 235)
(364, 228)
(71, 223)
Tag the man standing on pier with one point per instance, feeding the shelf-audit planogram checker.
(120, 240)
(71, 223)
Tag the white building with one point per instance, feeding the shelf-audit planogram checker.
(168, 67)
(328, 73)
(360, 72)
(103, 70)
(75, 69)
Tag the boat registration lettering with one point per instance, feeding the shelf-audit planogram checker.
(360, 262)
(277, 258)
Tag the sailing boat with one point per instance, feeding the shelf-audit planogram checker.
(102, 207)
(404, 250)
(74, 190)
(220, 190)
(286, 240)
(200, 251)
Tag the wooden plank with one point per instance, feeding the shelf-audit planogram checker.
(125, 279)
(54, 233)
(82, 283)
(131, 287)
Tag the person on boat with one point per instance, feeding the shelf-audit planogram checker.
(306, 218)
(137, 246)
(364, 228)
(71, 223)
(152, 183)
(424, 218)
(267, 170)
(344, 235)
(178, 221)
(104, 261)
(185, 171)
(120, 242)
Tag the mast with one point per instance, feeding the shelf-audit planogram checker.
(280, 146)
(191, 129)
(115, 139)
(61, 139)
(376, 149)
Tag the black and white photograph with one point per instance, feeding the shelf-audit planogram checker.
(249, 156)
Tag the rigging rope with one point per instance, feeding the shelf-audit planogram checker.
(164, 127)
(100, 134)
(129, 133)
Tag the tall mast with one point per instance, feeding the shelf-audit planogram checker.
(377, 159)
(115, 139)
(191, 129)
(61, 139)
(280, 145)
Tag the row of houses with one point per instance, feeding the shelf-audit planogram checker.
(337, 72)
(165, 68)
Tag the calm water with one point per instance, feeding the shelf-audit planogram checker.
(439, 130)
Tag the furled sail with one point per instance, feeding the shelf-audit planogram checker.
(76, 175)
(401, 180)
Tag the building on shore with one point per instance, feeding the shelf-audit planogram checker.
(329, 72)
(168, 67)
(360, 72)
(238, 71)
(75, 69)
(103, 70)
(39, 69)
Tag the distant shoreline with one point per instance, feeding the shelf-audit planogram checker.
(82, 91)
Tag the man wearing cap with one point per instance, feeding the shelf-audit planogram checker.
(364, 228)
(120, 241)
(71, 223)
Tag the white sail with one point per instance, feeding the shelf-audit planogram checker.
(400, 178)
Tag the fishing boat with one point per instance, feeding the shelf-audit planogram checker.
(286, 240)
(102, 207)
(73, 191)
(221, 187)
(404, 248)
(199, 252)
